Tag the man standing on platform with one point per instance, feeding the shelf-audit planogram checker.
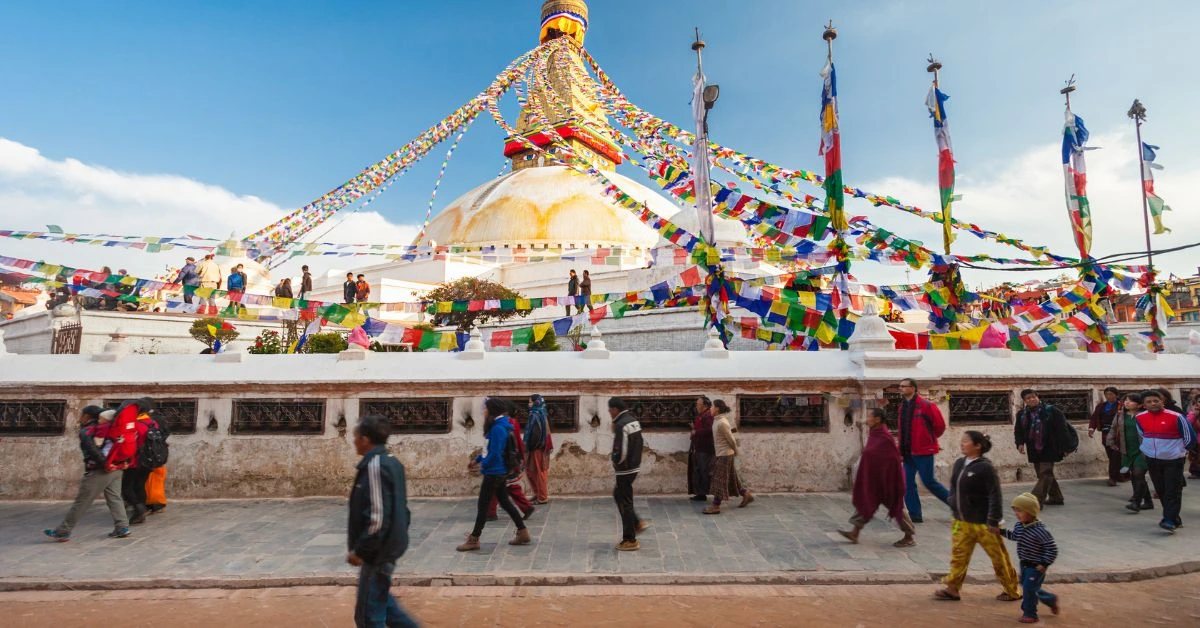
(349, 289)
(1040, 433)
(572, 288)
(920, 426)
(305, 282)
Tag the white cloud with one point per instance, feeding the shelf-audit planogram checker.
(1023, 199)
(84, 198)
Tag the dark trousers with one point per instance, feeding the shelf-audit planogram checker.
(1141, 491)
(1032, 591)
(133, 491)
(494, 486)
(922, 465)
(623, 495)
(1167, 476)
(374, 606)
(1114, 461)
(1046, 488)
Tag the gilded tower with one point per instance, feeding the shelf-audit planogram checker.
(569, 108)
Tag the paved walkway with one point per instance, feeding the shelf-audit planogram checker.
(780, 539)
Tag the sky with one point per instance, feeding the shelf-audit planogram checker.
(215, 118)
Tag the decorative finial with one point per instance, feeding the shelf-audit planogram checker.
(1137, 112)
(934, 64)
(698, 45)
(1070, 86)
(830, 32)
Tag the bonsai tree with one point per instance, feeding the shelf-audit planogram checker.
(472, 289)
(202, 330)
(548, 343)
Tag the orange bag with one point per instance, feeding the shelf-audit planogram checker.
(156, 489)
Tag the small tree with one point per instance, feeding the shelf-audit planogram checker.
(327, 342)
(268, 342)
(549, 342)
(472, 289)
(200, 331)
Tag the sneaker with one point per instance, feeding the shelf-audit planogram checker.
(156, 508)
(1147, 505)
(57, 536)
(1133, 506)
(642, 525)
(1025, 619)
(1169, 526)
(699, 498)
(629, 546)
(529, 513)
(140, 519)
(119, 533)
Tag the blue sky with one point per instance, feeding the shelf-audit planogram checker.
(281, 101)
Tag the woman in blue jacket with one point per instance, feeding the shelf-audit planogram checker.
(495, 468)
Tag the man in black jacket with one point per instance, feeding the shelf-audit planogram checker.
(1039, 434)
(96, 479)
(626, 460)
(377, 532)
(349, 289)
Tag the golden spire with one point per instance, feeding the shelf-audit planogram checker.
(564, 18)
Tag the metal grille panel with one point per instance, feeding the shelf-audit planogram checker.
(783, 411)
(278, 416)
(561, 412)
(1075, 404)
(412, 415)
(179, 414)
(33, 418)
(981, 407)
(663, 413)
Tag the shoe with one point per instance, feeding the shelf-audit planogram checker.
(140, 519)
(851, 536)
(1178, 523)
(1168, 526)
(642, 525)
(1147, 505)
(493, 517)
(57, 536)
(529, 513)
(747, 499)
(155, 509)
(471, 544)
(1133, 506)
(629, 546)
(1112, 482)
(699, 498)
(119, 533)
(712, 510)
(1054, 608)
(521, 537)
(1025, 619)
(917, 520)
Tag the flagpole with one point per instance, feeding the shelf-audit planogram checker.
(1137, 112)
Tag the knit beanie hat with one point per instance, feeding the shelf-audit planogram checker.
(1027, 503)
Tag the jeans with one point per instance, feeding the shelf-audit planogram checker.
(1167, 476)
(90, 487)
(623, 495)
(133, 491)
(1046, 488)
(495, 486)
(922, 465)
(374, 606)
(1032, 591)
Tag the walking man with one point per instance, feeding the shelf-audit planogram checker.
(377, 532)
(585, 290)
(626, 460)
(1166, 438)
(349, 289)
(1039, 432)
(188, 278)
(572, 289)
(920, 426)
(97, 478)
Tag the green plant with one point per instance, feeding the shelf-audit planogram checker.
(202, 330)
(268, 342)
(326, 342)
(473, 289)
(549, 342)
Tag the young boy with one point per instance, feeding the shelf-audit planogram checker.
(94, 444)
(1037, 551)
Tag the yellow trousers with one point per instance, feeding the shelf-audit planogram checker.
(963, 538)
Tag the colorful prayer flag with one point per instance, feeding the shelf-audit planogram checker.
(1075, 137)
(936, 103)
(831, 149)
(1157, 206)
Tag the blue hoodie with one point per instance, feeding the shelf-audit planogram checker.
(497, 438)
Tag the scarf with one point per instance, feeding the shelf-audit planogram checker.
(1035, 427)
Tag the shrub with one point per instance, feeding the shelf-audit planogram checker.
(200, 331)
(268, 342)
(326, 342)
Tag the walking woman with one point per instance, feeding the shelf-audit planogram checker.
(538, 445)
(1123, 437)
(880, 482)
(976, 504)
(494, 467)
(700, 458)
(725, 478)
(1102, 419)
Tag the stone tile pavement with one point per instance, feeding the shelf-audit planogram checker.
(780, 539)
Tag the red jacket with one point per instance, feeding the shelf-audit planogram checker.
(925, 415)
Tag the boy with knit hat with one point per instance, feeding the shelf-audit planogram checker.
(1037, 551)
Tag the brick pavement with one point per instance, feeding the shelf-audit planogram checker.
(780, 539)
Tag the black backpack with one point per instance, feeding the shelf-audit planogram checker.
(1070, 442)
(154, 451)
(512, 456)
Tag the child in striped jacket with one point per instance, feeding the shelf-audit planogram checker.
(1037, 551)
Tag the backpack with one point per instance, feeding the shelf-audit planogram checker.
(154, 450)
(512, 456)
(1070, 437)
(122, 435)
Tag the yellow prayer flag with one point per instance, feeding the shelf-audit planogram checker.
(282, 303)
(539, 331)
(808, 299)
(524, 304)
(974, 334)
(353, 319)
(212, 331)
(444, 306)
(447, 342)
(938, 342)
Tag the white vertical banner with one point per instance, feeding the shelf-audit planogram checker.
(704, 213)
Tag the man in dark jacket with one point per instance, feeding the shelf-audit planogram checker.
(572, 288)
(919, 425)
(189, 278)
(377, 531)
(305, 282)
(96, 480)
(349, 289)
(1038, 433)
(627, 461)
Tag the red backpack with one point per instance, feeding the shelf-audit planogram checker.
(122, 433)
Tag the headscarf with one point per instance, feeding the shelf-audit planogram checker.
(537, 427)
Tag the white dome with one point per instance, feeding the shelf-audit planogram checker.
(559, 207)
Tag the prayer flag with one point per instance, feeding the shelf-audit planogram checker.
(1157, 206)
(831, 149)
(936, 103)
(1075, 137)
